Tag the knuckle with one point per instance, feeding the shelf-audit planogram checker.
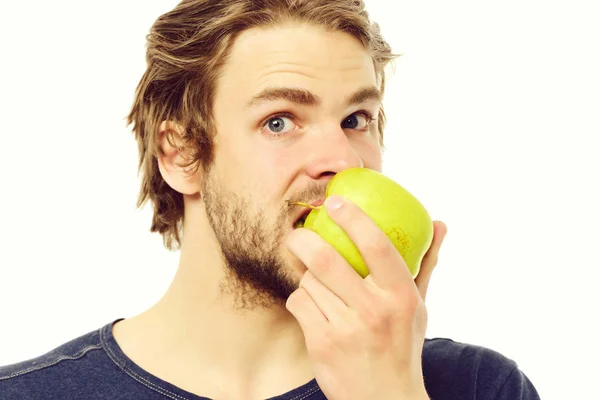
(292, 300)
(298, 298)
(411, 308)
(306, 282)
(323, 260)
(408, 302)
(378, 248)
(430, 259)
(376, 319)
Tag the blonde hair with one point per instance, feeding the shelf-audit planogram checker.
(186, 49)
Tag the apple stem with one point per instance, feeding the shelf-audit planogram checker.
(299, 203)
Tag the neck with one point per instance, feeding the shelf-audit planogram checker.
(197, 327)
(203, 321)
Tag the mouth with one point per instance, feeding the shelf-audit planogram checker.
(307, 208)
(299, 223)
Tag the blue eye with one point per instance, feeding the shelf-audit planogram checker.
(354, 121)
(279, 124)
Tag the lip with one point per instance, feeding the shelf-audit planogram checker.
(317, 203)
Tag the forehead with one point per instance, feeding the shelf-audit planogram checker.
(330, 64)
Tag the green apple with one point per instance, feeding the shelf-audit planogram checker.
(394, 210)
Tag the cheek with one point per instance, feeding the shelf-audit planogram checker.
(369, 150)
(373, 161)
(284, 161)
(280, 166)
(269, 170)
(245, 160)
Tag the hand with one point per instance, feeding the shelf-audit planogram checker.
(364, 336)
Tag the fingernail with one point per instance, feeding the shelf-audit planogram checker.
(333, 203)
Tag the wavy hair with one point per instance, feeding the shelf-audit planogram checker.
(186, 49)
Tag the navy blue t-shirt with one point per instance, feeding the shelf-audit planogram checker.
(93, 367)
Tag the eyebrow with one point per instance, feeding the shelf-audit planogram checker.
(306, 98)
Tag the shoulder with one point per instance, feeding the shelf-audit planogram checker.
(54, 373)
(454, 370)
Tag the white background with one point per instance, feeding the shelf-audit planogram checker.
(494, 124)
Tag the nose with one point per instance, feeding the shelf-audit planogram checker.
(331, 152)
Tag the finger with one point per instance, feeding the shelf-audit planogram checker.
(303, 308)
(332, 307)
(328, 266)
(385, 263)
(431, 258)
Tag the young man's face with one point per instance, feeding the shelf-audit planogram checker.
(274, 148)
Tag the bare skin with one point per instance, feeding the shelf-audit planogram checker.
(222, 329)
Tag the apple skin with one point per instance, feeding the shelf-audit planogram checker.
(403, 219)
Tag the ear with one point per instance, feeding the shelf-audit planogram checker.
(172, 164)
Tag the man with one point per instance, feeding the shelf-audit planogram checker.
(247, 104)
